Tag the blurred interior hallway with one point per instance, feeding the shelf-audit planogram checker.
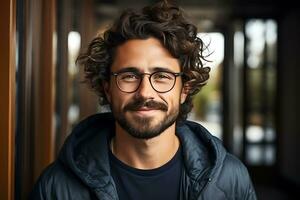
(251, 101)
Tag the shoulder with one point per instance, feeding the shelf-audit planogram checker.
(233, 165)
(57, 182)
(234, 179)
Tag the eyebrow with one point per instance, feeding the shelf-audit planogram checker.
(152, 69)
(165, 69)
(128, 69)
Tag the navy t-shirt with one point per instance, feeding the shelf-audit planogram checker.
(135, 184)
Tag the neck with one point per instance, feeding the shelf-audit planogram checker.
(145, 153)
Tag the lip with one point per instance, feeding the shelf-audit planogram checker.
(145, 111)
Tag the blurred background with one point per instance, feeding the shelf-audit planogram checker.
(251, 101)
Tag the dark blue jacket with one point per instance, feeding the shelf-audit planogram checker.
(82, 169)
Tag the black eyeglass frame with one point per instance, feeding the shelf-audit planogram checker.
(142, 75)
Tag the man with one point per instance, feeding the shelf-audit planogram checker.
(147, 67)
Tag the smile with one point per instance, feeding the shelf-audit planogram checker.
(145, 111)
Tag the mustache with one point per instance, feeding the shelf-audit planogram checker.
(151, 104)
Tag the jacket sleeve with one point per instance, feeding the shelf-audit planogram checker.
(235, 180)
(42, 187)
(37, 192)
(57, 183)
(248, 190)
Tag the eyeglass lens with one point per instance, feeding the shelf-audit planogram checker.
(160, 81)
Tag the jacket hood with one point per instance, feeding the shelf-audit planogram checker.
(85, 152)
(202, 150)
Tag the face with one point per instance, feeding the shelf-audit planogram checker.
(144, 113)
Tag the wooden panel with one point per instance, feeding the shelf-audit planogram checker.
(88, 99)
(28, 28)
(45, 90)
(36, 88)
(7, 105)
(63, 84)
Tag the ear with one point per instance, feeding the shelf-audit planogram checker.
(106, 88)
(184, 94)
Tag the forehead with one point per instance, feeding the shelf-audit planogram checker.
(145, 55)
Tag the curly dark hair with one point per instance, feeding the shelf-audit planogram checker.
(164, 21)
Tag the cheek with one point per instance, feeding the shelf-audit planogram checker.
(119, 99)
(173, 100)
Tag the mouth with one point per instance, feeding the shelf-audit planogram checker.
(142, 107)
(145, 111)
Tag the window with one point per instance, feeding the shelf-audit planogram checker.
(208, 102)
(260, 91)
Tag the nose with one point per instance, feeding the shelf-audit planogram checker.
(145, 89)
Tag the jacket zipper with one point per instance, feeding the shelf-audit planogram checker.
(204, 187)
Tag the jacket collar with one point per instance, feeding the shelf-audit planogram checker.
(85, 151)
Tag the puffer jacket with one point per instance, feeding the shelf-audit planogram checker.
(82, 169)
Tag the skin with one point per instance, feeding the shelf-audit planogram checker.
(145, 56)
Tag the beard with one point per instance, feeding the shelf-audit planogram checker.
(145, 127)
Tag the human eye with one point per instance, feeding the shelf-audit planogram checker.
(129, 77)
(163, 76)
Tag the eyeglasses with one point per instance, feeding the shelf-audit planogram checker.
(161, 81)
